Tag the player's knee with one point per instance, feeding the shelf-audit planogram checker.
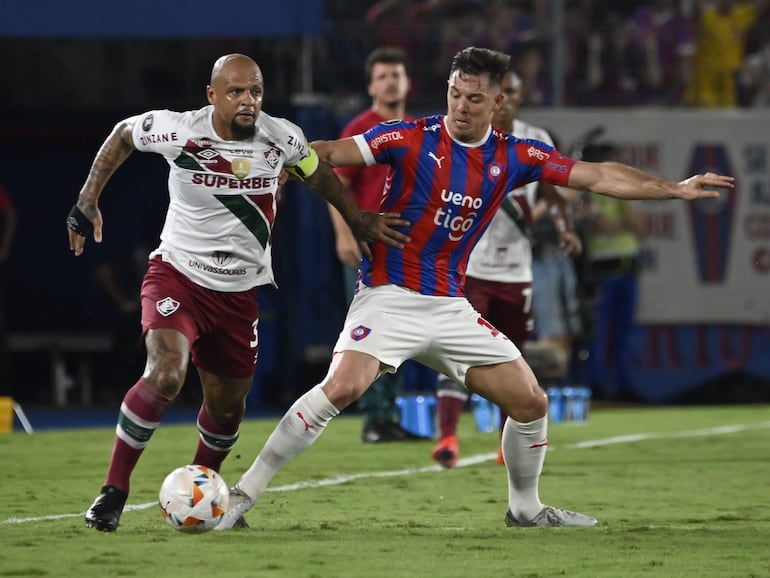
(225, 414)
(168, 381)
(165, 371)
(536, 404)
(530, 405)
(343, 391)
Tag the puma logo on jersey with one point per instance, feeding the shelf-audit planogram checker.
(437, 159)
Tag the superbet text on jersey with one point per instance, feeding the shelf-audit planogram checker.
(221, 194)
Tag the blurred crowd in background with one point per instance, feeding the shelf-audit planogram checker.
(700, 53)
(61, 96)
(604, 52)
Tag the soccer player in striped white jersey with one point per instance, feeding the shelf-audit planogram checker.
(448, 176)
(199, 295)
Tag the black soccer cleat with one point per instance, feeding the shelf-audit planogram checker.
(104, 513)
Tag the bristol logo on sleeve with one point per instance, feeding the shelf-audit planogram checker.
(166, 306)
(358, 333)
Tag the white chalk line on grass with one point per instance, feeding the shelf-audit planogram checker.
(461, 463)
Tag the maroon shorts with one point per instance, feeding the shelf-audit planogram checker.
(220, 327)
(507, 306)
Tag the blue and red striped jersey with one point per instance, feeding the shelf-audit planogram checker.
(449, 192)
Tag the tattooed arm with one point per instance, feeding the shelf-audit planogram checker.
(114, 151)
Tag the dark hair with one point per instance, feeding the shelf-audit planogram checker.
(477, 61)
(383, 55)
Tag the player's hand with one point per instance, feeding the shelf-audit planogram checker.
(695, 187)
(77, 242)
(571, 243)
(380, 227)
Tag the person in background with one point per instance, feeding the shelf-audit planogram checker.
(662, 37)
(555, 305)
(387, 83)
(199, 294)
(449, 175)
(614, 229)
(498, 280)
(7, 234)
(721, 30)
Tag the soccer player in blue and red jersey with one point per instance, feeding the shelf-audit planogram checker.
(448, 175)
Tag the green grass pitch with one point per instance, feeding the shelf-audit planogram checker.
(679, 491)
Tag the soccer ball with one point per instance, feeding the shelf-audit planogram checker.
(193, 498)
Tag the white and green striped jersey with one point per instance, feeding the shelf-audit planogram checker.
(221, 194)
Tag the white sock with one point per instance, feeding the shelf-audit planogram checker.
(298, 428)
(524, 446)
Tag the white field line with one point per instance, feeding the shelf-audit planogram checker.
(462, 463)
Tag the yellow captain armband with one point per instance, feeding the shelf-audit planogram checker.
(306, 167)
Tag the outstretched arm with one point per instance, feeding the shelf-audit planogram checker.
(339, 153)
(625, 182)
(114, 151)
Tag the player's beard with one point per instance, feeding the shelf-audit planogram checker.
(393, 98)
(241, 132)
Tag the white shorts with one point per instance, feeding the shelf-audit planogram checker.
(394, 324)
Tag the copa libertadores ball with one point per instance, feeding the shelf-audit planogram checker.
(193, 498)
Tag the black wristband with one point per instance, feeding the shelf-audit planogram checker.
(78, 222)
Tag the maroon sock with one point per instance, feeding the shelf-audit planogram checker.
(449, 410)
(139, 417)
(215, 441)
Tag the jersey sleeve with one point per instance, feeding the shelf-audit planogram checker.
(538, 161)
(301, 159)
(382, 143)
(157, 131)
